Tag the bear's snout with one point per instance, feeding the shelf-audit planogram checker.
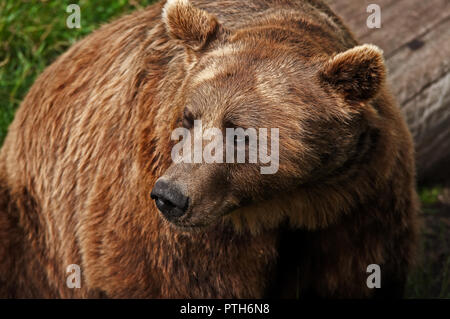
(169, 199)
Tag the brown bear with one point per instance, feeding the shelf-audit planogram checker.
(80, 165)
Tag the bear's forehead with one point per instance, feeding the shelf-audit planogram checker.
(230, 77)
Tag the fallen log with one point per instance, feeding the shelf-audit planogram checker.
(415, 37)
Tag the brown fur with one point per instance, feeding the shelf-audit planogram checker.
(93, 135)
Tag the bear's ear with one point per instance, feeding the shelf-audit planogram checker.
(192, 26)
(357, 73)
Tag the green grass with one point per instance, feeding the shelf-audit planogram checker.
(34, 33)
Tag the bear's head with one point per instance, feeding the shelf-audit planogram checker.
(265, 110)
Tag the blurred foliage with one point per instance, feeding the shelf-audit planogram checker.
(430, 195)
(430, 278)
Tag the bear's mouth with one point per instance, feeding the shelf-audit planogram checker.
(182, 227)
(189, 223)
(192, 212)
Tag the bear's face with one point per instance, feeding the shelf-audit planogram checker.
(257, 121)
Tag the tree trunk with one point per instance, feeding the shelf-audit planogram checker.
(414, 35)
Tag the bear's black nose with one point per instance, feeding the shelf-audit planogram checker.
(169, 199)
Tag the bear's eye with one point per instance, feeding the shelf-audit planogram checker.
(188, 119)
